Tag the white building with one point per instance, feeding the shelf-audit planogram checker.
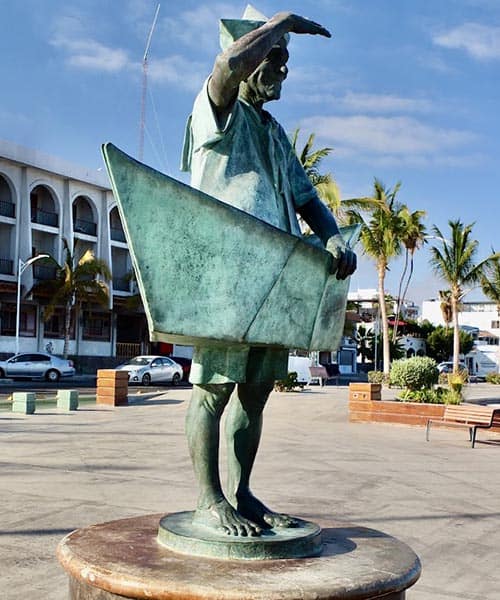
(42, 201)
(482, 319)
(367, 308)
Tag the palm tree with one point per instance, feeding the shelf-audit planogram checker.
(413, 236)
(75, 283)
(381, 237)
(454, 262)
(490, 281)
(365, 339)
(345, 211)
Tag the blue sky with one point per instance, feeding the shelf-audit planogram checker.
(404, 91)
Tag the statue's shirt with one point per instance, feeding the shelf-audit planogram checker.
(247, 162)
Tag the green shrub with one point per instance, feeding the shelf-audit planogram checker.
(437, 395)
(288, 384)
(416, 373)
(378, 377)
(493, 378)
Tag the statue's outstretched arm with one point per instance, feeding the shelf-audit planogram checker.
(236, 63)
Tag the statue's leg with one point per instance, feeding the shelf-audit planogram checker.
(202, 429)
(243, 432)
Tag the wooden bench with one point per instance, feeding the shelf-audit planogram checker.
(469, 416)
(321, 375)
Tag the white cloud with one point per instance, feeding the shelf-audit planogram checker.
(178, 71)
(480, 41)
(198, 28)
(383, 103)
(371, 103)
(390, 140)
(83, 52)
(91, 55)
(17, 118)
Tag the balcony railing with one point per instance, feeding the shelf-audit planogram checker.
(7, 209)
(45, 218)
(127, 349)
(6, 266)
(83, 226)
(121, 284)
(117, 234)
(44, 272)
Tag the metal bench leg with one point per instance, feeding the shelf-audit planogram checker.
(473, 436)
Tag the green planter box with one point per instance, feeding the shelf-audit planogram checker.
(24, 402)
(67, 399)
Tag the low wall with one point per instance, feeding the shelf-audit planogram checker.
(389, 411)
(386, 411)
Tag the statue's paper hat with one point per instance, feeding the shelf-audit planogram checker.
(233, 29)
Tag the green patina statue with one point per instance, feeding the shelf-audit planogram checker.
(238, 153)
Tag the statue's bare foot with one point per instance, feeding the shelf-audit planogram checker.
(222, 517)
(252, 508)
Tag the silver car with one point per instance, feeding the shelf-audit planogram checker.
(152, 369)
(36, 365)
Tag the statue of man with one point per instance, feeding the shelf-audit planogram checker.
(238, 153)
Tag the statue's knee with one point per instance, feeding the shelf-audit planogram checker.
(212, 397)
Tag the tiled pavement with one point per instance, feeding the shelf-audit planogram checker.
(61, 471)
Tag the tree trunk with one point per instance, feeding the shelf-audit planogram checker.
(456, 330)
(386, 353)
(67, 329)
(410, 275)
(400, 299)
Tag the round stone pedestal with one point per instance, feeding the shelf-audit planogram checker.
(123, 559)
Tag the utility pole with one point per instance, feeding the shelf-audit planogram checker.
(145, 86)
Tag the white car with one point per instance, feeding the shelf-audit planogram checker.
(36, 365)
(447, 367)
(152, 369)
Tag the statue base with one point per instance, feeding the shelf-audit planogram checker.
(178, 533)
(123, 559)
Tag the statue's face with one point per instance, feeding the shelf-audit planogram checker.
(265, 82)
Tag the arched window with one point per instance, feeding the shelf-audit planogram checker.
(43, 206)
(7, 206)
(84, 219)
(115, 226)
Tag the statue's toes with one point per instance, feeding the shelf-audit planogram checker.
(280, 520)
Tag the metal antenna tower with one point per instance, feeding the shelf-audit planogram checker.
(145, 86)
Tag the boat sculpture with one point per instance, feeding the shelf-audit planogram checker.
(210, 273)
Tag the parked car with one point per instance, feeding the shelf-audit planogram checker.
(185, 363)
(152, 369)
(36, 365)
(447, 367)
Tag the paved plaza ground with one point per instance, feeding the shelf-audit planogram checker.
(61, 471)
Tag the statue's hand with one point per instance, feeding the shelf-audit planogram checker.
(344, 260)
(297, 24)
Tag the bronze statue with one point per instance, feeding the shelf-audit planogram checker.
(238, 153)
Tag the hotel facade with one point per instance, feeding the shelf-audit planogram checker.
(44, 200)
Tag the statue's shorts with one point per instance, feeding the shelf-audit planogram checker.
(238, 364)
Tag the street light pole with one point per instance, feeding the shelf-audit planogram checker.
(21, 267)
